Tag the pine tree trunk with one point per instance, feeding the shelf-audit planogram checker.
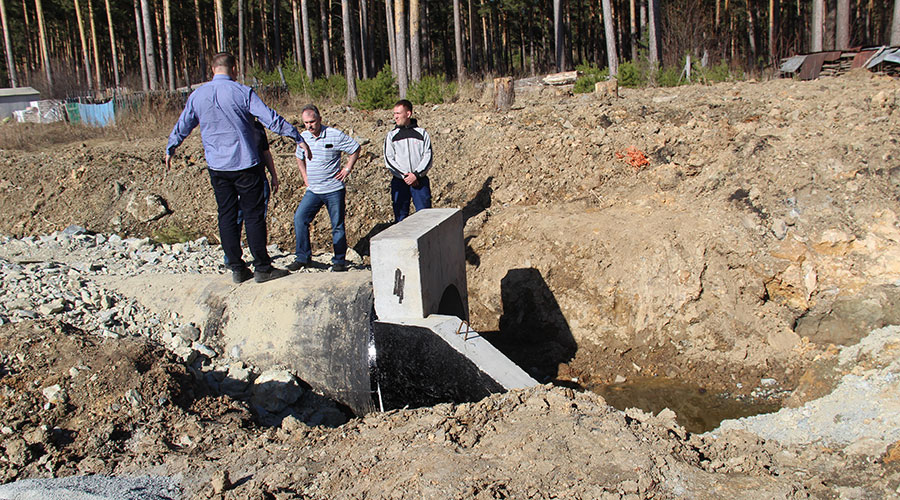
(31, 44)
(773, 26)
(201, 53)
(364, 37)
(220, 26)
(45, 53)
(10, 62)
(391, 35)
(295, 22)
(652, 12)
(112, 45)
(457, 37)
(84, 47)
(414, 51)
(612, 57)
(324, 11)
(148, 45)
(349, 68)
(94, 43)
(751, 34)
(473, 62)
(816, 27)
(307, 47)
(160, 44)
(170, 59)
(895, 25)
(241, 49)
(633, 27)
(558, 41)
(264, 30)
(842, 39)
(400, 30)
(276, 32)
(142, 56)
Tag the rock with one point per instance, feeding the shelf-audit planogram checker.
(220, 482)
(74, 230)
(204, 350)
(55, 306)
(54, 394)
(189, 332)
(779, 228)
(237, 380)
(17, 451)
(148, 208)
(275, 390)
(134, 398)
(185, 354)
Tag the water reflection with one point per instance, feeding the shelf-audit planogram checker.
(697, 410)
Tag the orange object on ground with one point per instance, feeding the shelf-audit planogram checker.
(633, 157)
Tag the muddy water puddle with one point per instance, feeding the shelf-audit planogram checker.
(697, 409)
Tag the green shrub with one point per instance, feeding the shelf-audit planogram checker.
(432, 90)
(589, 75)
(174, 234)
(714, 74)
(669, 77)
(630, 75)
(333, 88)
(379, 92)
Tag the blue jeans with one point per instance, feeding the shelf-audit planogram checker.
(306, 212)
(402, 193)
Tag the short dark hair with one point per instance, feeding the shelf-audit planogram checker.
(223, 60)
(405, 103)
(313, 108)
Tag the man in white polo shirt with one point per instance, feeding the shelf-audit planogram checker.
(324, 179)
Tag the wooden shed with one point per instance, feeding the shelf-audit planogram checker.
(14, 99)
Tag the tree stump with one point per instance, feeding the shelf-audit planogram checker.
(504, 93)
(607, 88)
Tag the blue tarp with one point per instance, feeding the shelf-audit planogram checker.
(98, 115)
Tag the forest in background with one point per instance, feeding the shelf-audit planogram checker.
(67, 48)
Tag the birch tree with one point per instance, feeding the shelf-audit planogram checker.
(559, 43)
(349, 67)
(364, 37)
(816, 28)
(10, 61)
(220, 26)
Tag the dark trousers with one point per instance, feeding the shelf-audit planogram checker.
(401, 193)
(242, 190)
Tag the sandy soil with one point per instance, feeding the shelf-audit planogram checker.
(762, 231)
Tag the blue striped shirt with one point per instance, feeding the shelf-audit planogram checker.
(326, 158)
(224, 109)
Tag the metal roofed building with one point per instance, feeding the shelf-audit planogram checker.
(14, 99)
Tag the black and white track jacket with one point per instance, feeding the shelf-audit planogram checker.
(408, 149)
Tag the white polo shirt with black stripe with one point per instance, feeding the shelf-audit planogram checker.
(326, 152)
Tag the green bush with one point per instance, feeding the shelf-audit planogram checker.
(333, 88)
(432, 90)
(589, 75)
(630, 75)
(379, 92)
(669, 77)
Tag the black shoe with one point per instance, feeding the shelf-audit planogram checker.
(274, 274)
(339, 267)
(297, 265)
(241, 275)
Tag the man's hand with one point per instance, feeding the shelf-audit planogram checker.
(411, 180)
(306, 150)
(169, 159)
(343, 174)
(274, 184)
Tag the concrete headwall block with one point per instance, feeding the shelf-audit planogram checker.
(419, 267)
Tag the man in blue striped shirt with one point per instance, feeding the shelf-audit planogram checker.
(225, 111)
(324, 179)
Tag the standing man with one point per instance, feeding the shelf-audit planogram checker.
(225, 110)
(407, 154)
(324, 179)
